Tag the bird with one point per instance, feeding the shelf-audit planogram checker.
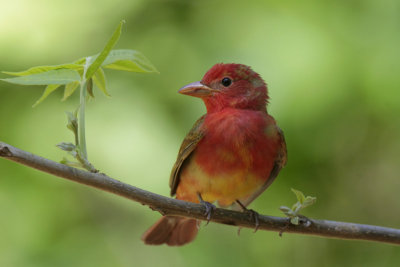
(231, 154)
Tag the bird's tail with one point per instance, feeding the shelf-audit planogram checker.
(173, 231)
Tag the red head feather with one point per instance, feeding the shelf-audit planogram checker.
(247, 90)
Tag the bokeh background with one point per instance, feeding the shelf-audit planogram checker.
(333, 70)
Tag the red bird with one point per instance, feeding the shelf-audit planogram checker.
(232, 153)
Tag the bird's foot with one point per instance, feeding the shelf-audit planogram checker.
(253, 215)
(209, 207)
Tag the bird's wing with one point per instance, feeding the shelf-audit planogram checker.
(189, 144)
(279, 163)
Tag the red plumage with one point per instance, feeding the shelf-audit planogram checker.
(232, 153)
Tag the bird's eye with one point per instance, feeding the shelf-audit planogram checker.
(226, 81)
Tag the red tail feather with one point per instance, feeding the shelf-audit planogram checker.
(173, 231)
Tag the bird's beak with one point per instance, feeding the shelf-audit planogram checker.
(197, 89)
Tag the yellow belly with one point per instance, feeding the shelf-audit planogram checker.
(225, 188)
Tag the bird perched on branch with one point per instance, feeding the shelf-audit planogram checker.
(230, 156)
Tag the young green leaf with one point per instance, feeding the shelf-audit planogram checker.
(128, 60)
(124, 59)
(300, 196)
(49, 89)
(81, 61)
(69, 89)
(99, 80)
(302, 202)
(297, 207)
(72, 122)
(309, 201)
(103, 54)
(66, 146)
(65, 161)
(288, 212)
(59, 76)
(40, 69)
(89, 88)
(285, 209)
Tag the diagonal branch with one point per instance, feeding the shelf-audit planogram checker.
(169, 206)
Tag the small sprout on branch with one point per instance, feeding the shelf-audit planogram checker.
(66, 146)
(302, 202)
(74, 150)
(73, 164)
(73, 122)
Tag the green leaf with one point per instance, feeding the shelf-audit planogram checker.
(309, 201)
(297, 207)
(65, 161)
(52, 77)
(99, 80)
(89, 87)
(284, 209)
(72, 117)
(40, 69)
(72, 122)
(103, 54)
(128, 60)
(287, 211)
(49, 89)
(70, 89)
(66, 146)
(300, 196)
(80, 61)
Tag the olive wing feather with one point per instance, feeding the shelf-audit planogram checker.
(189, 144)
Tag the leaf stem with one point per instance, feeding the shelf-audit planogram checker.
(81, 121)
(82, 156)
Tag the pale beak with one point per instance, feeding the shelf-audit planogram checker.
(197, 89)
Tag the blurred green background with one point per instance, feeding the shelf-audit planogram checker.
(333, 73)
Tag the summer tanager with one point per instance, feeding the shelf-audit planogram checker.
(232, 153)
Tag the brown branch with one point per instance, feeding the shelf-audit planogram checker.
(169, 206)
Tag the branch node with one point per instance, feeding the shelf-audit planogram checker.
(5, 151)
(161, 211)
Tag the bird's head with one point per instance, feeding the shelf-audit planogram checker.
(230, 86)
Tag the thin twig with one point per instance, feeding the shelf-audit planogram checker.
(169, 206)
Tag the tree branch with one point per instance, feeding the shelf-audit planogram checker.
(169, 206)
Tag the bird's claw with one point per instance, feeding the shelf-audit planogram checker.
(256, 217)
(209, 208)
(253, 215)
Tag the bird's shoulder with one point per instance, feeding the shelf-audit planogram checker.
(187, 147)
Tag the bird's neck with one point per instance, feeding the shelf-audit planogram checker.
(217, 104)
